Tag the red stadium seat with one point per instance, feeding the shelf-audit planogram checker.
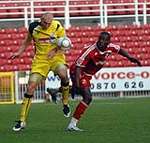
(48, 9)
(5, 36)
(38, 12)
(3, 61)
(15, 68)
(73, 11)
(24, 67)
(28, 61)
(85, 11)
(61, 11)
(2, 69)
(11, 31)
(13, 13)
(22, 30)
(9, 68)
(3, 13)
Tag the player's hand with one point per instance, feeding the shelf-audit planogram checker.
(78, 90)
(134, 60)
(52, 39)
(52, 53)
(14, 55)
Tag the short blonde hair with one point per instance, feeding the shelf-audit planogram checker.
(47, 15)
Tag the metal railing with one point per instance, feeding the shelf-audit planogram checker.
(68, 10)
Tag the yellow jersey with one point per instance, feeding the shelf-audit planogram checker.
(41, 37)
(41, 63)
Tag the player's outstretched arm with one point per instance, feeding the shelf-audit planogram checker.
(53, 52)
(23, 46)
(131, 58)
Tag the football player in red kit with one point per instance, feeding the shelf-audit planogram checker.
(87, 64)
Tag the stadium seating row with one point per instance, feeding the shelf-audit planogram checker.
(15, 9)
(73, 2)
(135, 40)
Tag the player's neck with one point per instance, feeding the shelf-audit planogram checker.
(101, 48)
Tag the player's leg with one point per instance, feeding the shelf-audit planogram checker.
(82, 106)
(73, 87)
(80, 110)
(34, 79)
(61, 70)
(39, 71)
(53, 94)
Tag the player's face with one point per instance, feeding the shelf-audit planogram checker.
(104, 42)
(46, 22)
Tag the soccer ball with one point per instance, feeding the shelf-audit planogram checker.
(64, 43)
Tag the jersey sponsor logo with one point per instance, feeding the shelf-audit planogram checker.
(44, 40)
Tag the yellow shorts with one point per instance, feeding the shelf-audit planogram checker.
(44, 65)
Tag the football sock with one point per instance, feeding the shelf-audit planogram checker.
(80, 109)
(73, 121)
(25, 108)
(65, 95)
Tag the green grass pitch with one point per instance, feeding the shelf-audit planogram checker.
(106, 121)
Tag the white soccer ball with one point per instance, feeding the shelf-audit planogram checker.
(64, 43)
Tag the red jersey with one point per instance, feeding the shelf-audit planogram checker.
(92, 59)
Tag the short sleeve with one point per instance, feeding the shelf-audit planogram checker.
(32, 26)
(60, 30)
(113, 47)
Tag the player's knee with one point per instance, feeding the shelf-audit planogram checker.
(31, 87)
(65, 82)
(87, 99)
(28, 96)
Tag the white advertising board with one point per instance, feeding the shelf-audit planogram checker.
(52, 81)
(113, 79)
(121, 79)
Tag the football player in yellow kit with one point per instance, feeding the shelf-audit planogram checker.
(48, 57)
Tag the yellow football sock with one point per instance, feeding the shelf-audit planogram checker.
(65, 94)
(25, 108)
